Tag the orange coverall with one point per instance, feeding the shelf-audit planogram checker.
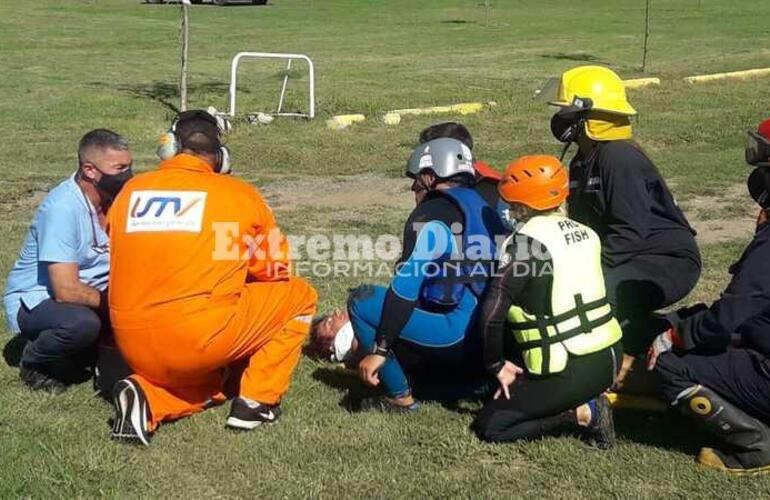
(191, 301)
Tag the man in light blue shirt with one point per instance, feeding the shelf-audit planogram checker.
(56, 292)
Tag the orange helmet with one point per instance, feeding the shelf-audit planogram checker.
(538, 181)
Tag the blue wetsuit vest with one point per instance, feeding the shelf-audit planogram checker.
(472, 264)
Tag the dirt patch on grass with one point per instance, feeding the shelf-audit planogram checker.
(33, 200)
(341, 192)
(22, 202)
(726, 217)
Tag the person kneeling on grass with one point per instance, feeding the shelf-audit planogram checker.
(202, 297)
(726, 388)
(56, 292)
(419, 329)
(649, 253)
(550, 294)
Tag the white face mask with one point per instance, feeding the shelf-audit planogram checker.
(343, 343)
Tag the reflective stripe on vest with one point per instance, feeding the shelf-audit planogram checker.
(581, 320)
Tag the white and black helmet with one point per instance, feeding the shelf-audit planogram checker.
(444, 157)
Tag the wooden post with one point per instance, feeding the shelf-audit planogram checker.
(486, 15)
(185, 44)
(646, 35)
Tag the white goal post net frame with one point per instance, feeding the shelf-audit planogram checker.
(241, 56)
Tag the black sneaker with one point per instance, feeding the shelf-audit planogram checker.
(600, 433)
(246, 417)
(37, 380)
(386, 405)
(131, 412)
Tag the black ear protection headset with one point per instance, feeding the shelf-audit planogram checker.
(170, 144)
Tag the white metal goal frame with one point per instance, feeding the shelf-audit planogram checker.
(239, 57)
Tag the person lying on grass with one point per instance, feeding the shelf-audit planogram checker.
(419, 328)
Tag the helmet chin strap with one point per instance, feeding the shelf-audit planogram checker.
(578, 129)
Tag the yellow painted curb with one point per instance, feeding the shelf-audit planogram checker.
(738, 75)
(464, 108)
(637, 83)
(340, 122)
(391, 118)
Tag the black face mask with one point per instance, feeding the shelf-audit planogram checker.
(565, 128)
(759, 184)
(112, 184)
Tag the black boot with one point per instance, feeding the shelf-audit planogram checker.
(37, 378)
(745, 441)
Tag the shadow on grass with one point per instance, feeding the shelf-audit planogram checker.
(70, 372)
(660, 430)
(572, 56)
(342, 380)
(348, 383)
(164, 93)
(13, 349)
(242, 3)
(667, 430)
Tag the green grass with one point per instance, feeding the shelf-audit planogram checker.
(71, 66)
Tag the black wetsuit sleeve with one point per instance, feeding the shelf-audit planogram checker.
(398, 309)
(746, 297)
(502, 292)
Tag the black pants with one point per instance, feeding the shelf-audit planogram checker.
(65, 338)
(643, 285)
(57, 332)
(111, 367)
(536, 404)
(741, 376)
(429, 378)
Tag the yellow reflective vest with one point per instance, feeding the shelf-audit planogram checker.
(581, 320)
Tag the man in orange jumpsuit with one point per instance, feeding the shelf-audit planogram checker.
(200, 290)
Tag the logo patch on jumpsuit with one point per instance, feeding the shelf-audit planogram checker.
(166, 211)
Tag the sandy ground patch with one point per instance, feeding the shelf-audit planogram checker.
(727, 217)
(719, 219)
(343, 193)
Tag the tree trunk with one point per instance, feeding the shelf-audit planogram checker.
(646, 35)
(185, 43)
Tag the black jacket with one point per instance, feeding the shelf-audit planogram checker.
(618, 192)
(744, 303)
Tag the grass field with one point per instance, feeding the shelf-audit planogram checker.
(69, 66)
